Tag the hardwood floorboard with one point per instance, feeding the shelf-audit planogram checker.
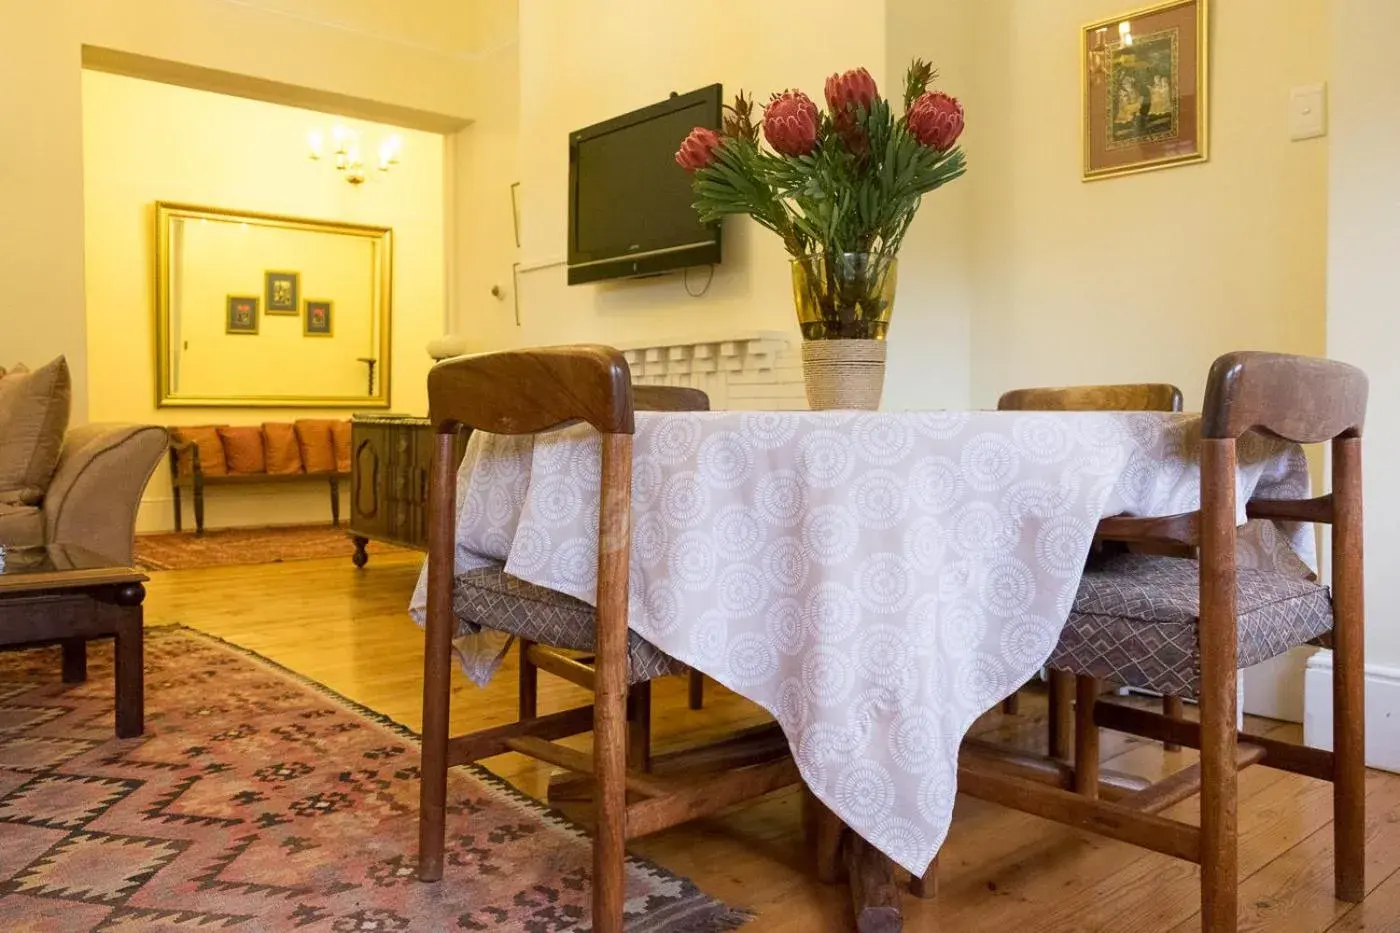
(999, 871)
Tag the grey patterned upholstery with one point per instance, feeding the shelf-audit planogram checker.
(492, 598)
(1134, 621)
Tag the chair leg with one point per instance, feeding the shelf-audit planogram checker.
(1348, 686)
(697, 690)
(1173, 708)
(1011, 706)
(826, 828)
(610, 687)
(529, 682)
(639, 727)
(1086, 736)
(1216, 634)
(925, 886)
(175, 489)
(1061, 718)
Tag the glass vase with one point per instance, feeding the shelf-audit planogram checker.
(844, 301)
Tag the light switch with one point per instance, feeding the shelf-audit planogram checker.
(1307, 111)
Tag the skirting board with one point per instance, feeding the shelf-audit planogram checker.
(1382, 710)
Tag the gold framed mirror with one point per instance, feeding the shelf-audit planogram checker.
(264, 311)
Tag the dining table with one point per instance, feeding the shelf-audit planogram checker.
(876, 581)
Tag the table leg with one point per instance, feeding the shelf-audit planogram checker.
(874, 893)
(130, 654)
(74, 660)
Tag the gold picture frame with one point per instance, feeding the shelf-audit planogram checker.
(1145, 86)
(318, 318)
(170, 218)
(281, 292)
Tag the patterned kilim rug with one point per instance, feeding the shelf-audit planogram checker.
(260, 801)
(226, 547)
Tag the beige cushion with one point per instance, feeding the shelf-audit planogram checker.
(33, 417)
(317, 445)
(280, 449)
(21, 526)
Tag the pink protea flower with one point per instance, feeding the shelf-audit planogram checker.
(790, 123)
(698, 149)
(851, 91)
(936, 120)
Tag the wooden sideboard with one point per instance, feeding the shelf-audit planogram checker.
(390, 460)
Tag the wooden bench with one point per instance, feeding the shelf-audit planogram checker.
(196, 480)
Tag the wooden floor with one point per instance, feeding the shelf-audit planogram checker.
(1000, 870)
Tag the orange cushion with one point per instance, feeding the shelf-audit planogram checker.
(317, 449)
(211, 449)
(340, 439)
(243, 449)
(280, 448)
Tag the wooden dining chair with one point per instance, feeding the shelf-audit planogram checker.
(1146, 396)
(578, 669)
(1185, 627)
(529, 392)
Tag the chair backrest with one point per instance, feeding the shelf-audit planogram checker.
(669, 398)
(1143, 396)
(1298, 398)
(528, 391)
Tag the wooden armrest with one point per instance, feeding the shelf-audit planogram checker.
(1318, 509)
(1174, 529)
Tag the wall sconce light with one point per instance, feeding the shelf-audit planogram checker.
(346, 152)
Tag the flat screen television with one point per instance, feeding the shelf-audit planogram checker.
(630, 208)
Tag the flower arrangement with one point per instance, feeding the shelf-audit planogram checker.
(847, 180)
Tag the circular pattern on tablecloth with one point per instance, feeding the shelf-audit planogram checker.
(684, 499)
(824, 459)
(752, 659)
(786, 626)
(557, 499)
(1042, 438)
(830, 533)
(741, 590)
(884, 583)
(989, 462)
(831, 613)
(781, 498)
(881, 439)
(726, 460)
(936, 484)
(674, 440)
(738, 532)
(785, 564)
(1062, 544)
(692, 562)
(881, 499)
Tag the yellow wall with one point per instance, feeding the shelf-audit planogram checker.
(1147, 277)
(1363, 323)
(146, 142)
(411, 55)
(212, 260)
(565, 84)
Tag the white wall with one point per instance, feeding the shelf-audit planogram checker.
(195, 147)
(1145, 277)
(1363, 301)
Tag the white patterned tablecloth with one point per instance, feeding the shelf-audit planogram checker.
(875, 581)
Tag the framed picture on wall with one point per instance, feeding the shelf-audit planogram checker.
(241, 315)
(1145, 82)
(317, 321)
(282, 292)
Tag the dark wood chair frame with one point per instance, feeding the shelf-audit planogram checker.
(1145, 396)
(578, 669)
(1299, 399)
(527, 392)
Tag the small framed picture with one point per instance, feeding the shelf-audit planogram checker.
(242, 315)
(282, 292)
(317, 321)
(1146, 89)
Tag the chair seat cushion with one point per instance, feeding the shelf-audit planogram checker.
(21, 525)
(490, 597)
(1135, 619)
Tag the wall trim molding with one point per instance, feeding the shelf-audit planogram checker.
(1382, 710)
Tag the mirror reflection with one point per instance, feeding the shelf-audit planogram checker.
(255, 310)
